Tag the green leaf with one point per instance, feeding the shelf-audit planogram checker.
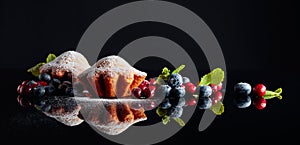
(165, 119)
(35, 71)
(165, 73)
(205, 80)
(216, 76)
(50, 57)
(279, 91)
(270, 94)
(218, 108)
(177, 70)
(161, 112)
(179, 121)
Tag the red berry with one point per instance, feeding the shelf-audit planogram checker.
(24, 82)
(152, 81)
(152, 89)
(24, 102)
(137, 92)
(214, 101)
(19, 89)
(25, 90)
(260, 90)
(42, 83)
(144, 84)
(19, 98)
(150, 106)
(190, 87)
(260, 103)
(216, 88)
(146, 93)
(191, 102)
(219, 87)
(217, 96)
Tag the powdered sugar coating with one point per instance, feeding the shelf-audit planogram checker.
(113, 64)
(69, 61)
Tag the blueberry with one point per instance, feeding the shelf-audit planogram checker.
(55, 82)
(39, 91)
(165, 104)
(175, 112)
(204, 102)
(69, 91)
(163, 90)
(49, 90)
(185, 80)
(205, 91)
(242, 101)
(177, 91)
(177, 101)
(45, 77)
(32, 82)
(68, 83)
(62, 88)
(242, 89)
(175, 80)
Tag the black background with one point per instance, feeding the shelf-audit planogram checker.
(257, 40)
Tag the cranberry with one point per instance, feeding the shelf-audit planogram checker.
(24, 102)
(216, 88)
(152, 81)
(260, 103)
(137, 92)
(214, 101)
(191, 102)
(152, 89)
(217, 96)
(190, 87)
(19, 98)
(42, 83)
(19, 88)
(151, 105)
(146, 93)
(145, 84)
(25, 90)
(24, 82)
(260, 90)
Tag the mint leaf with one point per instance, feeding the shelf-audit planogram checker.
(35, 71)
(50, 57)
(179, 121)
(165, 73)
(216, 76)
(161, 112)
(177, 70)
(218, 108)
(165, 119)
(205, 80)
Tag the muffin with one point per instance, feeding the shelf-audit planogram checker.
(111, 77)
(110, 81)
(65, 67)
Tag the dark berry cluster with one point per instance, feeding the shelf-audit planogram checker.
(34, 92)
